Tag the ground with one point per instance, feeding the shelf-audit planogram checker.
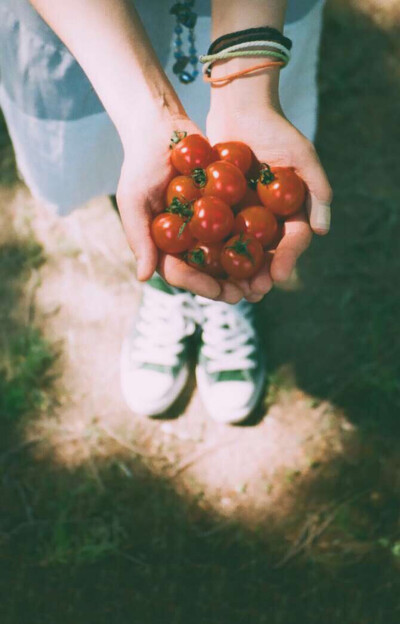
(291, 518)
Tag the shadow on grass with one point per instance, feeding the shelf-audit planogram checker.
(339, 332)
(126, 546)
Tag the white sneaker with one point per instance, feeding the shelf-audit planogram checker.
(231, 370)
(154, 362)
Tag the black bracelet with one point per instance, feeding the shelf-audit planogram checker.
(264, 33)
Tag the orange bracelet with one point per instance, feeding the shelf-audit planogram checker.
(242, 72)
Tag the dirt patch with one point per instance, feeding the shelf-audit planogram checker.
(85, 300)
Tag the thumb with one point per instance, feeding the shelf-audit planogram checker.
(136, 216)
(319, 198)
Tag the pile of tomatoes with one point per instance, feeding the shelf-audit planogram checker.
(224, 209)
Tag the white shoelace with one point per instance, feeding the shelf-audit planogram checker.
(164, 321)
(227, 331)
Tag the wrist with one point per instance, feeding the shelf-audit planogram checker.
(254, 91)
(151, 112)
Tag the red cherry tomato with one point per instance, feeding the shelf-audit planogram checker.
(206, 257)
(250, 199)
(212, 219)
(191, 152)
(259, 222)
(242, 256)
(223, 180)
(169, 234)
(235, 152)
(184, 188)
(274, 244)
(281, 190)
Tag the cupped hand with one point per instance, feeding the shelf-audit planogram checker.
(277, 142)
(145, 175)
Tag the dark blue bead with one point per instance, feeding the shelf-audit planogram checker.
(185, 77)
(180, 65)
(195, 73)
(178, 55)
(193, 60)
(177, 42)
(178, 29)
(192, 50)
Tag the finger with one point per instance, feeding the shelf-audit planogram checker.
(319, 199)
(297, 237)
(254, 298)
(262, 283)
(230, 293)
(244, 286)
(179, 274)
(136, 219)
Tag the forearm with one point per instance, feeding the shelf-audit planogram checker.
(109, 42)
(257, 89)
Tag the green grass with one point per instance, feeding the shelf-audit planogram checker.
(25, 357)
(8, 169)
(120, 545)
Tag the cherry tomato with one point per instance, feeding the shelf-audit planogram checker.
(235, 152)
(279, 233)
(184, 188)
(250, 199)
(169, 234)
(223, 180)
(206, 257)
(212, 220)
(259, 222)
(281, 190)
(191, 152)
(242, 256)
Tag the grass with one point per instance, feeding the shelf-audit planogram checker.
(25, 357)
(111, 542)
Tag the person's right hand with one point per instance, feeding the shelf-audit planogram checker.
(145, 175)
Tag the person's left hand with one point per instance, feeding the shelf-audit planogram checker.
(275, 141)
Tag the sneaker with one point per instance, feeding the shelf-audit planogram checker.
(231, 370)
(154, 357)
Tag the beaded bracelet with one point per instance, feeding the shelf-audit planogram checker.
(185, 18)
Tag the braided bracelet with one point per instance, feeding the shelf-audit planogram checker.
(265, 33)
(262, 48)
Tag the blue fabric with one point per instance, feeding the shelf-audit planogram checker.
(43, 78)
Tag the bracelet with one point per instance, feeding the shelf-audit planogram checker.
(242, 72)
(265, 33)
(263, 48)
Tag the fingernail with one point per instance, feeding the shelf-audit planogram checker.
(321, 217)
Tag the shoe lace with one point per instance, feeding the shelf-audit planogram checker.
(228, 336)
(164, 322)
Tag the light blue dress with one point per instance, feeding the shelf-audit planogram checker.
(67, 148)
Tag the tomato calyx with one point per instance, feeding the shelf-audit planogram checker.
(252, 183)
(240, 247)
(197, 256)
(177, 137)
(199, 177)
(182, 209)
(266, 176)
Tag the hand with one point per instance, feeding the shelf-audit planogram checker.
(144, 177)
(275, 141)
